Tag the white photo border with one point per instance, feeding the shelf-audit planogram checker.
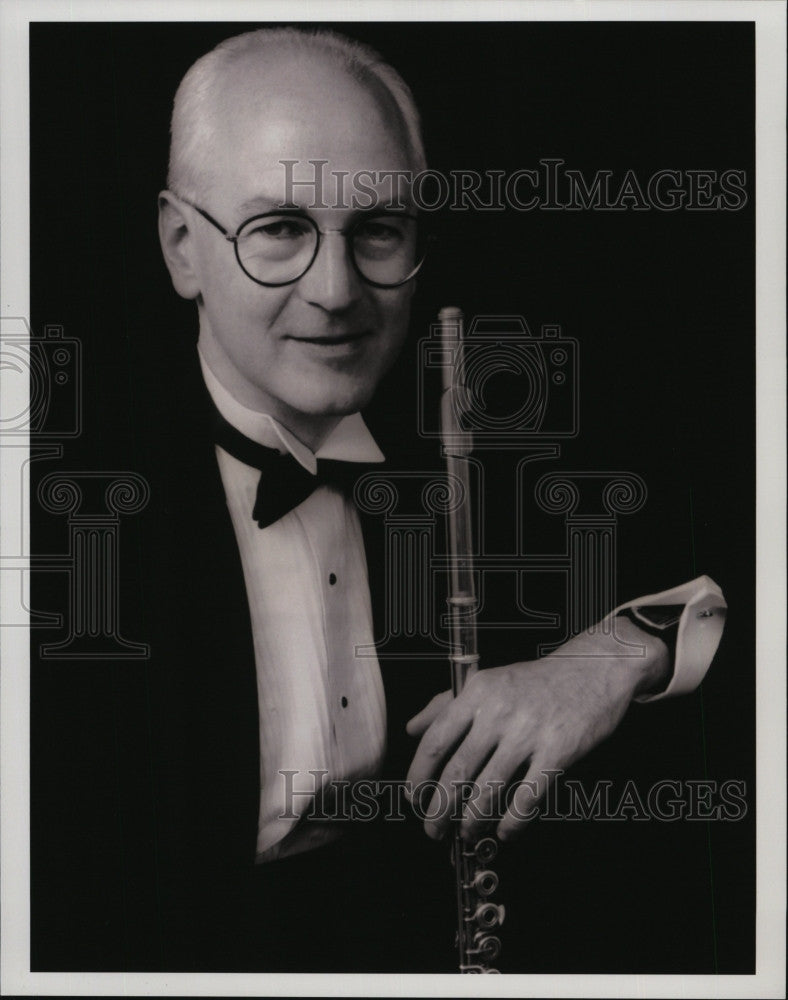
(769, 17)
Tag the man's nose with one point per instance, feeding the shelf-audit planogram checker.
(332, 283)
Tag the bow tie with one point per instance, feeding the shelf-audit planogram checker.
(284, 483)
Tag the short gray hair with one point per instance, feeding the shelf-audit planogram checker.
(194, 109)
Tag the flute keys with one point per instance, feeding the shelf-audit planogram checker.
(485, 883)
(487, 947)
(489, 915)
(486, 849)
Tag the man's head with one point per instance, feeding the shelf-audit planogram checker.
(315, 348)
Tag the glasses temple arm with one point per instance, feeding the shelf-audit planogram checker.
(209, 218)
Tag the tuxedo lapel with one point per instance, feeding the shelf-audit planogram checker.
(208, 705)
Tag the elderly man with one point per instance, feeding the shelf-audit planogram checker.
(303, 306)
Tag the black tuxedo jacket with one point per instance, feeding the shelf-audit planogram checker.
(145, 783)
(149, 769)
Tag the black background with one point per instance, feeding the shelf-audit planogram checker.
(662, 304)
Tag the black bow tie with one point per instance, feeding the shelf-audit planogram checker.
(284, 483)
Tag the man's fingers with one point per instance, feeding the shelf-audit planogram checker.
(421, 722)
(441, 738)
(485, 803)
(455, 782)
(524, 802)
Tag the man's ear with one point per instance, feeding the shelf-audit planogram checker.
(177, 246)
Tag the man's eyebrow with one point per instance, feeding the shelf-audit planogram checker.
(261, 204)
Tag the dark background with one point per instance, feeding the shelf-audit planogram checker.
(662, 304)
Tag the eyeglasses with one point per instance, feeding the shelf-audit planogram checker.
(278, 248)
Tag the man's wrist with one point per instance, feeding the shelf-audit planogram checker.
(642, 661)
(651, 663)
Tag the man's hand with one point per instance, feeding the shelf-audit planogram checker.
(546, 713)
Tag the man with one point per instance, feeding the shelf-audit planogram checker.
(302, 310)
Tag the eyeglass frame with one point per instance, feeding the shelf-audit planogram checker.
(298, 213)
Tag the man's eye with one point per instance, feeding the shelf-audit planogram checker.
(378, 232)
(278, 229)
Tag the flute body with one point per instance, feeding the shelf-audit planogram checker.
(477, 915)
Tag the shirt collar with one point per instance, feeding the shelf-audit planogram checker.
(349, 441)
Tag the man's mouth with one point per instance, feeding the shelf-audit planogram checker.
(334, 339)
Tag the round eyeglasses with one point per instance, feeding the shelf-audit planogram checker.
(277, 248)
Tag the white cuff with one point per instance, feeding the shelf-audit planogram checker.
(699, 632)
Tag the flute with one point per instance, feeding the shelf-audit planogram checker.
(475, 881)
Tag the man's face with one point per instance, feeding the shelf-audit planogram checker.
(311, 351)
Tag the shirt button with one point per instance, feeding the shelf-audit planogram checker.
(343, 701)
(332, 578)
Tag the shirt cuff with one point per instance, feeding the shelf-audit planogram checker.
(699, 630)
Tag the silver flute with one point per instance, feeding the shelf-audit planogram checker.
(477, 915)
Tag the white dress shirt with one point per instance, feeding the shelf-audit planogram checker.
(322, 706)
